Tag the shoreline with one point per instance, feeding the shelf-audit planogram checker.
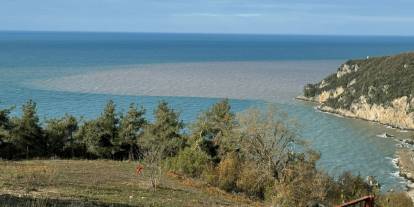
(404, 156)
(405, 163)
(333, 111)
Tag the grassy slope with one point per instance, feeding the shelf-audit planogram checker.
(103, 183)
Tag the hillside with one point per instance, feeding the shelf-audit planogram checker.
(379, 89)
(225, 160)
(101, 183)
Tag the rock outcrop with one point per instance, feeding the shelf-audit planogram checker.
(376, 89)
(397, 115)
(405, 162)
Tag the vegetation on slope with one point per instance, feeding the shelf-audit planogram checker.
(379, 79)
(249, 154)
(40, 183)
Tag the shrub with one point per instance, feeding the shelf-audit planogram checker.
(301, 184)
(189, 161)
(395, 200)
(228, 172)
(309, 90)
(254, 182)
(210, 175)
(7, 150)
(354, 187)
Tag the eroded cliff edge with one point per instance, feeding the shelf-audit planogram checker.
(379, 89)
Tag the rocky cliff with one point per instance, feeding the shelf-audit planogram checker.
(377, 89)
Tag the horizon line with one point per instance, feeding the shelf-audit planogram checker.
(207, 33)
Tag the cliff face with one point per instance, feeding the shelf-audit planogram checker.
(377, 89)
(396, 115)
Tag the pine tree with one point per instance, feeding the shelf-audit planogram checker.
(7, 149)
(99, 135)
(27, 134)
(213, 130)
(89, 137)
(166, 131)
(5, 124)
(130, 130)
(59, 134)
(109, 120)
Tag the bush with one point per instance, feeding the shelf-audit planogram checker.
(254, 182)
(354, 187)
(395, 200)
(7, 150)
(189, 161)
(301, 184)
(210, 175)
(309, 90)
(228, 172)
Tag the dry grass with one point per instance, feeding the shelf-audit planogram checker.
(101, 183)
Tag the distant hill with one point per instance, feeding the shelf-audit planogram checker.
(379, 89)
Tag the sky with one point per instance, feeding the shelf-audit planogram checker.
(329, 17)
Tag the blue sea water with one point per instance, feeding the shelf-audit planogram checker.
(345, 144)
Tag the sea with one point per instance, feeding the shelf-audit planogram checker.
(78, 72)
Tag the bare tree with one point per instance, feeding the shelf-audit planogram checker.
(267, 137)
(153, 158)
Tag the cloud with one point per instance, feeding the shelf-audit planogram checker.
(391, 19)
(212, 16)
(218, 15)
(248, 15)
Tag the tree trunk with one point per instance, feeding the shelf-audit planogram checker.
(131, 152)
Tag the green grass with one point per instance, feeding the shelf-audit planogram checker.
(101, 183)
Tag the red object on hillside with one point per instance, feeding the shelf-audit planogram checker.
(139, 169)
(367, 200)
